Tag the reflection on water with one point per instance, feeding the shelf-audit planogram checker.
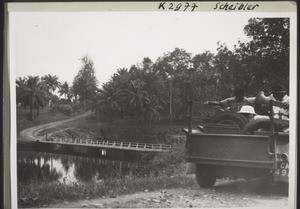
(43, 166)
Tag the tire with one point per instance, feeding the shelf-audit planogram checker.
(256, 125)
(230, 118)
(205, 175)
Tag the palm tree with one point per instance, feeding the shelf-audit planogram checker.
(51, 82)
(64, 89)
(151, 111)
(20, 83)
(33, 94)
(107, 100)
(136, 98)
(122, 77)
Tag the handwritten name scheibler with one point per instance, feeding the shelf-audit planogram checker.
(236, 6)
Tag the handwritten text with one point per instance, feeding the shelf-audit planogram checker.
(235, 6)
(177, 6)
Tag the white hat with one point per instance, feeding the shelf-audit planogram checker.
(247, 109)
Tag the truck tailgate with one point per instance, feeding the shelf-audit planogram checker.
(229, 149)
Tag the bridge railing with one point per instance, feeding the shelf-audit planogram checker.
(106, 143)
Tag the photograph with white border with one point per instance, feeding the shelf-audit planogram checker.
(151, 104)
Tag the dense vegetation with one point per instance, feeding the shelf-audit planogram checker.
(151, 91)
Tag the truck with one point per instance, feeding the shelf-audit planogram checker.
(229, 146)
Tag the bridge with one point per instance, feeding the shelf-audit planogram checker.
(134, 146)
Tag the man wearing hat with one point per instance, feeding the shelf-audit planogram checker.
(248, 112)
(234, 103)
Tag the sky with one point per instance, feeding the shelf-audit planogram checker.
(54, 42)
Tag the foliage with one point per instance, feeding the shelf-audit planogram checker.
(151, 111)
(136, 98)
(177, 76)
(266, 57)
(85, 82)
(62, 108)
(32, 93)
(37, 195)
(51, 82)
(64, 89)
(107, 101)
(153, 90)
(174, 159)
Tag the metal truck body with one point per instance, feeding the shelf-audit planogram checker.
(221, 150)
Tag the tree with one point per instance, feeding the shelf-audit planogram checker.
(51, 82)
(107, 101)
(64, 89)
(33, 94)
(266, 55)
(173, 63)
(20, 84)
(136, 98)
(85, 82)
(173, 67)
(151, 111)
(228, 72)
(204, 77)
(140, 80)
(122, 78)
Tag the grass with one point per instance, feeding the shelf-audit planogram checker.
(38, 195)
(122, 130)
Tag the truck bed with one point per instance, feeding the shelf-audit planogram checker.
(229, 149)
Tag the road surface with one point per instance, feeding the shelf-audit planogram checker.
(225, 194)
(32, 134)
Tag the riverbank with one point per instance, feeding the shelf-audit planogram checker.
(43, 194)
(165, 170)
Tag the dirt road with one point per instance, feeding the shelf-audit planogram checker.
(31, 134)
(225, 194)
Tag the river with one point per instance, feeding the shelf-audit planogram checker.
(37, 162)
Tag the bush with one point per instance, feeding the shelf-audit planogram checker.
(169, 162)
(62, 108)
(76, 107)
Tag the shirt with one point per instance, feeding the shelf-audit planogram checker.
(233, 105)
(278, 110)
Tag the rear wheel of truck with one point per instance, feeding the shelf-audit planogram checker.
(230, 118)
(205, 175)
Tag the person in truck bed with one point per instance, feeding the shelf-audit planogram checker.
(277, 94)
(234, 103)
(248, 112)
